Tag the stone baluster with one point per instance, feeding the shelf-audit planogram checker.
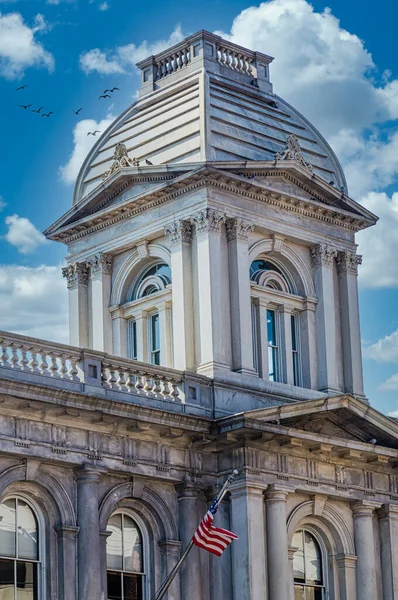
(363, 514)
(278, 554)
(347, 269)
(77, 279)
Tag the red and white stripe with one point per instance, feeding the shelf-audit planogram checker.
(212, 539)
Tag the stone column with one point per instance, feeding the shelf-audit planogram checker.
(67, 551)
(191, 575)
(170, 553)
(238, 232)
(77, 278)
(119, 331)
(101, 322)
(104, 579)
(249, 578)
(363, 513)
(220, 567)
(279, 586)
(213, 298)
(347, 269)
(323, 263)
(180, 234)
(88, 554)
(388, 524)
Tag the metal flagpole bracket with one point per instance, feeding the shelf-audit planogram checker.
(168, 581)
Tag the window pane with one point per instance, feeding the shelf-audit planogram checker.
(132, 546)
(27, 532)
(114, 586)
(298, 556)
(132, 587)
(313, 567)
(155, 332)
(299, 592)
(132, 339)
(271, 327)
(26, 581)
(7, 528)
(6, 580)
(313, 593)
(293, 325)
(114, 549)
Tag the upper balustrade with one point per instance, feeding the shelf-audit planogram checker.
(204, 49)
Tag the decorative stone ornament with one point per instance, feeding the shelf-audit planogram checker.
(75, 274)
(101, 263)
(208, 219)
(238, 229)
(293, 152)
(121, 160)
(179, 231)
(322, 255)
(347, 262)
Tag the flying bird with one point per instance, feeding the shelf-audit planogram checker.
(47, 114)
(93, 132)
(22, 87)
(112, 90)
(77, 111)
(25, 107)
(148, 162)
(104, 96)
(38, 110)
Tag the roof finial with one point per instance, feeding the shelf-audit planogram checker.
(121, 160)
(293, 152)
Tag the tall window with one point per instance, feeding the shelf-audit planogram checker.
(273, 351)
(295, 350)
(19, 551)
(132, 339)
(124, 556)
(307, 567)
(154, 336)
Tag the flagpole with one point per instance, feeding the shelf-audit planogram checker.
(169, 580)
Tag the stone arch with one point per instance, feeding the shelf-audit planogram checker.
(146, 502)
(140, 257)
(43, 487)
(289, 259)
(329, 524)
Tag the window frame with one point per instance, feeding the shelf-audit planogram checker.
(153, 352)
(41, 535)
(296, 352)
(147, 578)
(324, 558)
(132, 342)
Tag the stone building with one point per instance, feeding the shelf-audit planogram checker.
(212, 275)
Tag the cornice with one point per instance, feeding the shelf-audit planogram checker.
(218, 180)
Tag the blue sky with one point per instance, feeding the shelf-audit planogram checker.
(335, 61)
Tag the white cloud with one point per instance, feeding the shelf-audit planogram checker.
(34, 302)
(103, 6)
(385, 349)
(82, 145)
(3, 203)
(125, 57)
(391, 385)
(19, 48)
(23, 234)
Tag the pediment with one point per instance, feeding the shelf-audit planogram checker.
(283, 185)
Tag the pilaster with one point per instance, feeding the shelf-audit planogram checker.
(323, 257)
(347, 269)
(221, 567)
(104, 579)
(77, 280)
(287, 355)
(119, 331)
(279, 586)
(170, 553)
(180, 235)
(388, 524)
(101, 322)
(192, 576)
(238, 232)
(213, 296)
(346, 564)
(363, 514)
(67, 552)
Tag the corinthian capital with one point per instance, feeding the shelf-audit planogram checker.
(208, 219)
(101, 263)
(347, 262)
(238, 229)
(322, 255)
(75, 274)
(179, 231)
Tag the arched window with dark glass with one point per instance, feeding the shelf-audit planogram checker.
(124, 557)
(309, 583)
(20, 564)
(151, 280)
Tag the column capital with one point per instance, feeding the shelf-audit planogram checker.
(169, 547)
(388, 511)
(67, 532)
(187, 491)
(322, 255)
(364, 508)
(87, 474)
(345, 561)
(179, 231)
(75, 274)
(291, 551)
(100, 263)
(277, 493)
(208, 219)
(238, 229)
(348, 262)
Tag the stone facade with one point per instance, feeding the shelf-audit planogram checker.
(214, 326)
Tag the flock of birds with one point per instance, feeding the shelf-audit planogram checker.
(104, 95)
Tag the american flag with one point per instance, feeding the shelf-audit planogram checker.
(212, 539)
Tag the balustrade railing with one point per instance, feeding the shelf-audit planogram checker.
(61, 362)
(167, 65)
(235, 60)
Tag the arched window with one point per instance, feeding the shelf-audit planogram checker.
(125, 562)
(308, 572)
(153, 279)
(20, 564)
